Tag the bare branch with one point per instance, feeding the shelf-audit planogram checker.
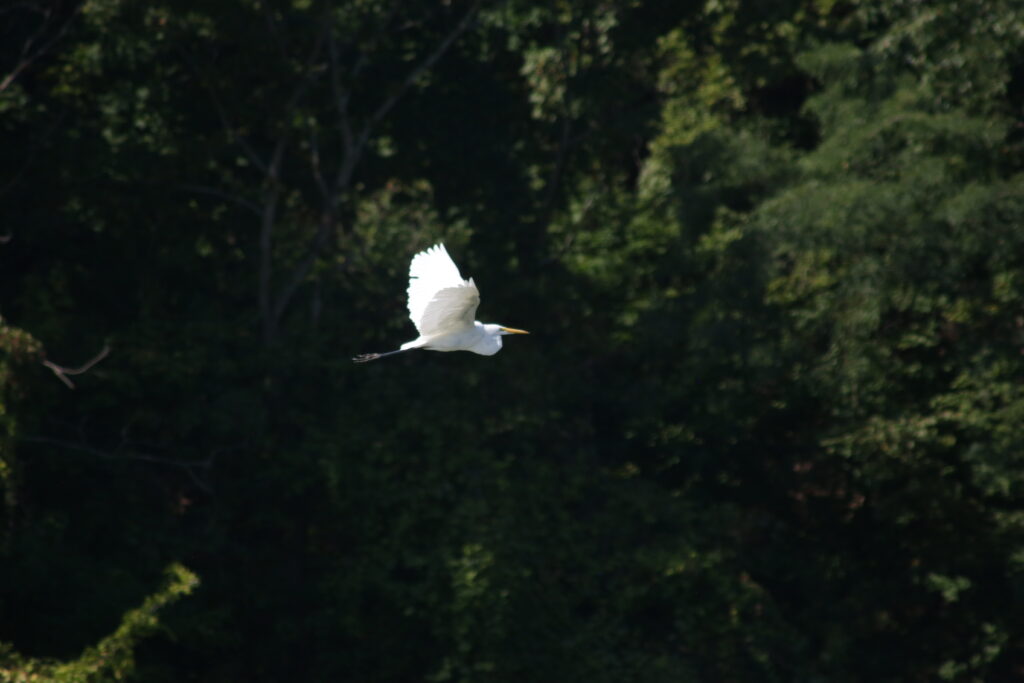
(565, 144)
(62, 372)
(270, 311)
(233, 134)
(309, 73)
(28, 56)
(188, 467)
(302, 269)
(25, 5)
(218, 106)
(352, 149)
(275, 30)
(314, 162)
(418, 70)
(341, 97)
(354, 145)
(267, 221)
(214, 192)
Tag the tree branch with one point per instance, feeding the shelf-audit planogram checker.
(62, 372)
(418, 70)
(234, 136)
(275, 31)
(189, 467)
(268, 310)
(352, 149)
(389, 103)
(214, 192)
(222, 115)
(565, 143)
(27, 56)
(314, 163)
(24, 4)
(353, 145)
(268, 218)
(341, 96)
(272, 307)
(299, 273)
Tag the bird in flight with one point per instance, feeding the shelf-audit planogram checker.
(442, 306)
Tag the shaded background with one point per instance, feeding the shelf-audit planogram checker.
(768, 425)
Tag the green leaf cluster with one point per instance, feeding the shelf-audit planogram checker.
(768, 425)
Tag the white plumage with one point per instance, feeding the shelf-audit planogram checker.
(442, 306)
(439, 299)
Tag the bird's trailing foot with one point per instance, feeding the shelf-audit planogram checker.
(367, 357)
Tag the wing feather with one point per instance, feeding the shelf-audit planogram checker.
(439, 299)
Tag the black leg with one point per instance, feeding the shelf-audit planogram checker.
(367, 357)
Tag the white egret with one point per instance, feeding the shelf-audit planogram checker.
(442, 306)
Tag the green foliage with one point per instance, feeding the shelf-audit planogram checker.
(767, 426)
(112, 657)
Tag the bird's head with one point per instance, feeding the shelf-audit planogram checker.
(501, 330)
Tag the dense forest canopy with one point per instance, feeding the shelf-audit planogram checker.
(769, 425)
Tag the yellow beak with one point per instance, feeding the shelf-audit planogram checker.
(512, 330)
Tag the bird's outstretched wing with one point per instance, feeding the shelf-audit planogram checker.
(439, 299)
